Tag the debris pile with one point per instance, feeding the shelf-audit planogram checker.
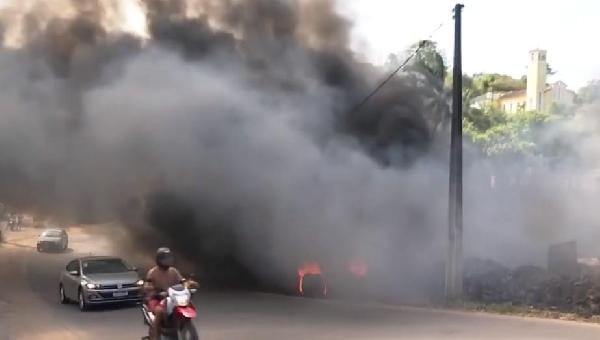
(486, 281)
(568, 285)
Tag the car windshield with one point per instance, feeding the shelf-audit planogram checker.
(52, 233)
(105, 266)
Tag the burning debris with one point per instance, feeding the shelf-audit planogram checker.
(358, 268)
(311, 281)
(348, 281)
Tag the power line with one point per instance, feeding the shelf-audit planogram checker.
(386, 80)
(422, 44)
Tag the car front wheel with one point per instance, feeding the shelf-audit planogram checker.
(81, 301)
(61, 295)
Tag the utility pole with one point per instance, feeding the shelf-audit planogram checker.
(454, 274)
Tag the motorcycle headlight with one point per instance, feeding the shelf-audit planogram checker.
(182, 300)
(140, 283)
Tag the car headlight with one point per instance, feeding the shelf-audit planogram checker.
(140, 283)
(90, 285)
(182, 300)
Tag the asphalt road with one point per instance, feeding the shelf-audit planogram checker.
(29, 309)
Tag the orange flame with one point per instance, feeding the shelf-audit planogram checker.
(358, 268)
(309, 268)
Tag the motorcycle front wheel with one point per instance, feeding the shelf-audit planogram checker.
(187, 331)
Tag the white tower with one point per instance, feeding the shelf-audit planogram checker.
(536, 80)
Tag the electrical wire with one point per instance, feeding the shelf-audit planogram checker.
(422, 44)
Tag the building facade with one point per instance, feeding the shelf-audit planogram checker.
(538, 96)
(536, 80)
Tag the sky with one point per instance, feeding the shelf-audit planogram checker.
(497, 35)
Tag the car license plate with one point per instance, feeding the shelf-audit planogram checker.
(119, 294)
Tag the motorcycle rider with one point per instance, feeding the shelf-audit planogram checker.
(12, 223)
(158, 280)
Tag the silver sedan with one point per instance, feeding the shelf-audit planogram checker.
(53, 239)
(98, 280)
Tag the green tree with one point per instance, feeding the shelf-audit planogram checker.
(512, 135)
(485, 82)
(485, 118)
(428, 59)
(468, 89)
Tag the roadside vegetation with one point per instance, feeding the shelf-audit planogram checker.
(493, 133)
(523, 311)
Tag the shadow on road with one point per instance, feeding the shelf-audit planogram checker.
(56, 251)
(113, 307)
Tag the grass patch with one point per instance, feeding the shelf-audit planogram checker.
(521, 310)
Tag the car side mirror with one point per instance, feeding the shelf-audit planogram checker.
(135, 269)
(74, 272)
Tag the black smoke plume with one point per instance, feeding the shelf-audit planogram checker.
(226, 132)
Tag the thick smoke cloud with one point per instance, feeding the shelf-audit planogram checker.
(226, 130)
(539, 200)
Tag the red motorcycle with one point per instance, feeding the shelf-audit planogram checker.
(180, 313)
